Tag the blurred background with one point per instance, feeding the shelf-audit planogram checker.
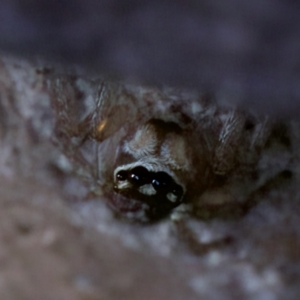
(246, 52)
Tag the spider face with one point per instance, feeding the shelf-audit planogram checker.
(149, 194)
(149, 175)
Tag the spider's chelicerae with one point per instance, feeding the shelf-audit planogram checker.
(159, 152)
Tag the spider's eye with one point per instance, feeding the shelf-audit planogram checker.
(177, 190)
(122, 175)
(139, 176)
(162, 182)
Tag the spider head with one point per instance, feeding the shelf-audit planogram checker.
(149, 177)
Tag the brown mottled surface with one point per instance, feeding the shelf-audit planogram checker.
(54, 246)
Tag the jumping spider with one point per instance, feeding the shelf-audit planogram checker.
(153, 152)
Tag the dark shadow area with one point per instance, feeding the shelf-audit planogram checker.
(247, 52)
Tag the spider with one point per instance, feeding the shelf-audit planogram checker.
(154, 151)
